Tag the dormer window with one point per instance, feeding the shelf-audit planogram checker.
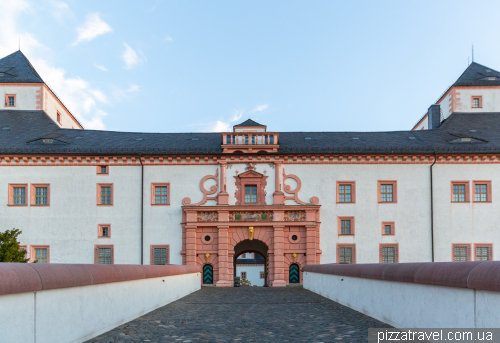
(10, 100)
(477, 102)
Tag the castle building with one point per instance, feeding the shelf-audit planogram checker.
(295, 198)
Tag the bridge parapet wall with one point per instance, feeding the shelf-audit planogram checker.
(75, 302)
(414, 295)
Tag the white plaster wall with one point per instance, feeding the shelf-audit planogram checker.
(487, 305)
(445, 106)
(52, 106)
(77, 314)
(162, 224)
(465, 222)
(491, 99)
(17, 318)
(411, 213)
(25, 97)
(405, 305)
(253, 274)
(69, 224)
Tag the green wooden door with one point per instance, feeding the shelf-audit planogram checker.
(208, 274)
(294, 274)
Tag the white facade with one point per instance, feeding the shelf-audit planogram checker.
(253, 273)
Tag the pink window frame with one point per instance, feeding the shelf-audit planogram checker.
(394, 184)
(353, 246)
(484, 245)
(10, 200)
(99, 231)
(59, 117)
(33, 187)
(96, 252)
(467, 191)
(33, 254)
(7, 96)
(480, 97)
(488, 190)
(339, 225)
(393, 228)
(99, 169)
(25, 248)
(241, 275)
(153, 193)
(467, 245)
(151, 252)
(99, 185)
(262, 275)
(392, 245)
(353, 191)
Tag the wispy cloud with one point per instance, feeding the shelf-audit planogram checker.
(60, 10)
(133, 88)
(225, 126)
(82, 99)
(130, 56)
(168, 39)
(259, 108)
(93, 27)
(98, 66)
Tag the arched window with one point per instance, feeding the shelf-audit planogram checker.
(208, 274)
(294, 274)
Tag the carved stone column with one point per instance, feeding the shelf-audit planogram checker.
(279, 257)
(223, 237)
(311, 244)
(278, 195)
(190, 244)
(223, 196)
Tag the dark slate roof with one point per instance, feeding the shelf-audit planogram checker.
(478, 75)
(249, 122)
(27, 130)
(15, 68)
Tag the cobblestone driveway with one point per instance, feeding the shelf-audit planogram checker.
(247, 314)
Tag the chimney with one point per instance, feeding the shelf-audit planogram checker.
(434, 118)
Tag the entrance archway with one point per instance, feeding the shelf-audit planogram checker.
(253, 246)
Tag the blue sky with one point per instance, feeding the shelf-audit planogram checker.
(178, 66)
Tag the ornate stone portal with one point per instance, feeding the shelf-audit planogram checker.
(285, 232)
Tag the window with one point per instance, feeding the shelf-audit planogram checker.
(250, 194)
(387, 191)
(105, 194)
(58, 117)
(388, 228)
(40, 194)
(243, 275)
(461, 252)
(346, 192)
(477, 101)
(103, 254)
(160, 194)
(40, 253)
(346, 253)
(481, 191)
(17, 194)
(159, 254)
(102, 170)
(460, 191)
(345, 226)
(10, 100)
(388, 253)
(483, 252)
(262, 275)
(104, 230)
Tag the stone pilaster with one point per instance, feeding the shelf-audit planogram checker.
(223, 196)
(278, 195)
(190, 245)
(279, 257)
(311, 244)
(223, 237)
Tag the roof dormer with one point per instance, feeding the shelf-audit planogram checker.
(249, 137)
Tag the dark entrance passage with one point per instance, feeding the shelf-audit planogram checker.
(208, 274)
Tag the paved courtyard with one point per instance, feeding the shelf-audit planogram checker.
(247, 314)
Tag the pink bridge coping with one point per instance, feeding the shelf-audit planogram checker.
(474, 275)
(33, 277)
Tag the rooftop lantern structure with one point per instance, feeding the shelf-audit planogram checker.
(249, 137)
